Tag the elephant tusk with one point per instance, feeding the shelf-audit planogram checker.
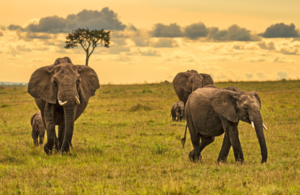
(62, 103)
(77, 100)
(265, 127)
(252, 123)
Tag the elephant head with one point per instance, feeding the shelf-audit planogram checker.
(188, 81)
(235, 106)
(62, 60)
(67, 85)
(185, 83)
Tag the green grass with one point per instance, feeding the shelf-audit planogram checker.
(126, 143)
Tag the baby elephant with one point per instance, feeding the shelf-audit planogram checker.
(38, 128)
(177, 111)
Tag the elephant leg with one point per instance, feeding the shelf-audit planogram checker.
(41, 136)
(235, 142)
(206, 141)
(50, 126)
(34, 136)
(225, 149)
(194, 155)
(61, 134)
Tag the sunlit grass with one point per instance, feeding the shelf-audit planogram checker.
(126, 143)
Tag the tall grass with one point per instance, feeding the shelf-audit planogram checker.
(126, 143)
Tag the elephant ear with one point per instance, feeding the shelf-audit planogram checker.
(40, 85)
(257, 97)
(223, 102)
(207, 80)
(89, 81)
(182, 80)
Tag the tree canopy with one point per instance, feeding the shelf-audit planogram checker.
(88, 39)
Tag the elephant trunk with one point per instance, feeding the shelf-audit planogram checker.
(69, 112)
(258, 123)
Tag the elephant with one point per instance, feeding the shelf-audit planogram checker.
(185, 83)
(221, 111)
(177, 111)
(62, 92)
(38, 128)
(62, 60)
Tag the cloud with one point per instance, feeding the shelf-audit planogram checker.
(30, 36)
(194, 31)
(270, 45)
(14, 27)
(104, 19)
(150, 52)
(51, 24)
(161, 42)
(114, 50)
(280, 30)
(165, 42)
(141, 41)
(281, 75)
(234, 33)
(162, 30)
(256, 59)
(199, 30)
(144, 52)
(282, 59)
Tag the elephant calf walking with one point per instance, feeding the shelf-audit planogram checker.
(38, 128)
(211, 111)
(177, 111)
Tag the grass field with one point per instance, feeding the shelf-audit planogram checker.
(126, 143)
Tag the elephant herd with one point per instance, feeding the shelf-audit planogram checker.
(62, 91)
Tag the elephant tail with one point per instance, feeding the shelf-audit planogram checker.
(184, 138)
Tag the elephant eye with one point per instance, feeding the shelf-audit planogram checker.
(78, 80)
(245, 108)
(55, 82)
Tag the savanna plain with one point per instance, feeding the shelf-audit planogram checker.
(126, 143)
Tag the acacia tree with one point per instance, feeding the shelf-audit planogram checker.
(88, 38)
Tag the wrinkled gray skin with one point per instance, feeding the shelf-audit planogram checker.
(38, 128)
(62, 60)
(62, 83)
(177, 111)
(185, 83)
(221, 111)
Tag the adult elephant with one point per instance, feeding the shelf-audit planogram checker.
(185, 83)
(62, 92)
(221, 111)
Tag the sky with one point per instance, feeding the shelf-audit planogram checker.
(151, 41)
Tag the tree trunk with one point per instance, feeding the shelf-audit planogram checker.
(87, 59)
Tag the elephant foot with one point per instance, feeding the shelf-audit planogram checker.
(65, 149)
(47, 149)
(220, 162)
(195, 159)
